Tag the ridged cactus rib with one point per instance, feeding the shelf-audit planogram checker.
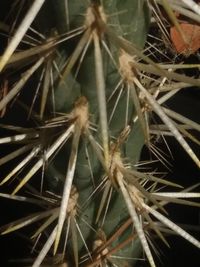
(92, 105)
(80, 114)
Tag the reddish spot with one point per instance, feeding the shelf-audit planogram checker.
(192, 34)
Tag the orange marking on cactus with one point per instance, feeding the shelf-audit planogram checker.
(192, 33)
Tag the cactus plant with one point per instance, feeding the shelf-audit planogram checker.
(89, 90)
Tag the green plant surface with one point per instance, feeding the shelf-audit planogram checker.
(90, 92)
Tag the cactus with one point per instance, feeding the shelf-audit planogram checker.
(91, 94)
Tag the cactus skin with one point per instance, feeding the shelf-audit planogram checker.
(90, 152)
(129, 20)
(84, 84)
(110, 169)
